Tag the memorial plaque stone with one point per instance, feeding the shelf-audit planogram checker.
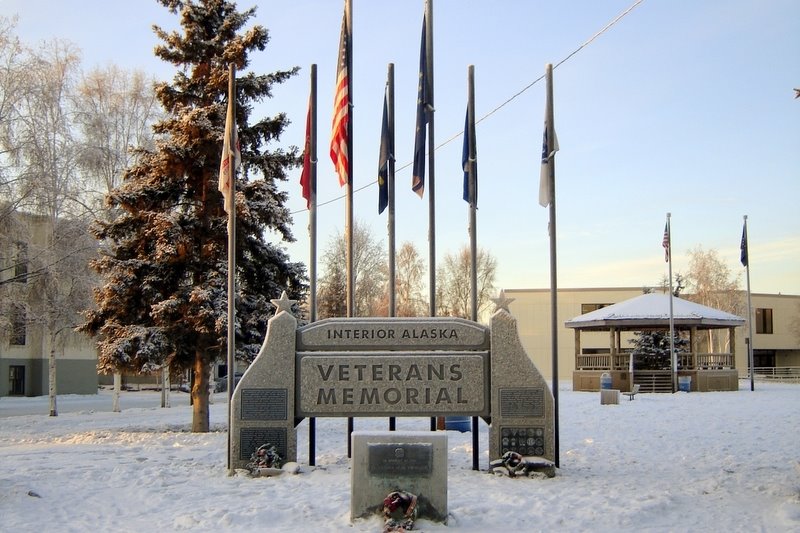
(522, 402)
(410, 461)
(264, 404)
(253, 437)
(400, 459)
(524, 441)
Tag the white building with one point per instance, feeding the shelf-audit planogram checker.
(27, 248)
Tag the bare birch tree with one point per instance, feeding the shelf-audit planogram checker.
(115, 111)
(370, 267)
(11, 58)
(48, 187)
(454, 285)
(710, 283)
(410, 270)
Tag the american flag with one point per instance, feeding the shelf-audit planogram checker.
(665, 242)
(341, 109)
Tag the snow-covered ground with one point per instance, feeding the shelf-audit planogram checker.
(727, 461)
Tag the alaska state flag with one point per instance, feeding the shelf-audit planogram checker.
(424, 106)
(386, 152)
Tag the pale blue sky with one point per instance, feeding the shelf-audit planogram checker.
(683, 106)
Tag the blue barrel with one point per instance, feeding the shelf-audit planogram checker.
(458, 423)
(684, 383)
(605, 380)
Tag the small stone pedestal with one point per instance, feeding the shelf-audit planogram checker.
(609, 396)
(410, 461)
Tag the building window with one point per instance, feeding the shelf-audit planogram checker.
(588, 308)
(21, 262)
(16, 380)
(18, 318)
(764, 320)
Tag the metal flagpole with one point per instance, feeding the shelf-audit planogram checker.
(312, 213)
(745, 257)
(390, 187)
(472, 184)
(672, 356)
(431, 159)
(391, 218)
(231, 360)
(551, 136)
(312, 230)
(430, 186)
(351, 308)
(349, 193)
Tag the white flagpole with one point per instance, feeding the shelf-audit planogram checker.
(312, 230)
(672, 355)
(390, 218)
(551, 138)
(746, 260)
(390, 190)
(231, 255)
(472, 194)
(431, 185)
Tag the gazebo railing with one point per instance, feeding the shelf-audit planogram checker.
(715, 360)
(593, 361)
(621, 361)
(686, 361)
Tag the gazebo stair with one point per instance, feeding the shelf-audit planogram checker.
(653, 381)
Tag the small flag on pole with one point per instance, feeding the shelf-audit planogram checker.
(665, 242)
(386, 152)
(231, 155)
(341, 109)
(305, 176)
(423, 110)
(743, 246)
(548, 151)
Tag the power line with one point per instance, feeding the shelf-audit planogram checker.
(506, 102)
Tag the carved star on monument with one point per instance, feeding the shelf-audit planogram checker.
(501, 302)
(283, 303)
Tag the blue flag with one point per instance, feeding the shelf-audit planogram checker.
(386, 152)
(743, 246)
(423, 110)
(471, 199)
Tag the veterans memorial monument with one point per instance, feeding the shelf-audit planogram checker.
(357, 367)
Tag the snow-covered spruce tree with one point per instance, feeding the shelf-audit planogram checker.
(651, 349)
(164, 298)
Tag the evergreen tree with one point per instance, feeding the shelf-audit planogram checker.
(651, 349)
(164, 299)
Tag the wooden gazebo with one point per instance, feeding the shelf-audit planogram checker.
(708, 371)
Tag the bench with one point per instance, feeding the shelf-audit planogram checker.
(633, 392)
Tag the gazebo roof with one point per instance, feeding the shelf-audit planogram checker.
(652, 311)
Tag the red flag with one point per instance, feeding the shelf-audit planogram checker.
(341, 109)
(305, 176)
(665, 242)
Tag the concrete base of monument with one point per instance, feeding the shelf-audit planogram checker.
(410, 461)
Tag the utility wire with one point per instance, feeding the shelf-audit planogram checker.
(505, 103)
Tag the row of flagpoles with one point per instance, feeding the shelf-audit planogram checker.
(341, 152)
(666, 243)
